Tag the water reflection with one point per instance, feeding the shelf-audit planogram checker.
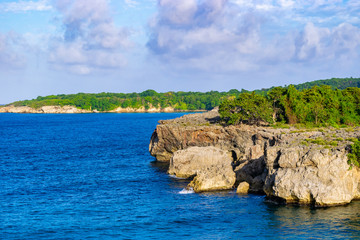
(317, 223)
(226, 215)
(161, 167)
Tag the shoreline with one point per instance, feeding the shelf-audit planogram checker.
(287, 165)
(74, 110)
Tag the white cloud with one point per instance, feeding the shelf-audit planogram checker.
(240, 36)
(10, 47)
(286, 3)
(91, 40)
(24, 6)
(315, 43)
(131, 3)
(208, 35)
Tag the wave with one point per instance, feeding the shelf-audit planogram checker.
(187, 191)
(173, 176)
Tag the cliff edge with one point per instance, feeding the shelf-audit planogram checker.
(289, 165)
(43, 109)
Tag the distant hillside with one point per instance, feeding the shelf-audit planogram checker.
(181, 101)
(339, 83)
(334, 83)
(178, 100)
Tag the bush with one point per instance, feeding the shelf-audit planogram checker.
(354, 155)
(247, 108)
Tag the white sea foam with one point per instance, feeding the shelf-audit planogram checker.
(173, 176)
(187, 191)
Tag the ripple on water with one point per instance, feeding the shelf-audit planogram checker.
(90, 176)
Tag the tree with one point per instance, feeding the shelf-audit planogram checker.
(248, 108)
(275, 94)
(354, 155)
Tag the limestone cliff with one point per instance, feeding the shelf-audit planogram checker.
(43, 109)
(73, 109)
(151, 109)
(290, 165)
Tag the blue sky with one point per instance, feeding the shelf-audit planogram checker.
(70, 46)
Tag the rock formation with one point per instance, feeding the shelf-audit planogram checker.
(290, 165)
(211, 166)
(73, 109)
(151, 109)
(43, 109)
(243, 188)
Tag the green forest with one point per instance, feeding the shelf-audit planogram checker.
(181, 101)
(316, 106)
(108, 101)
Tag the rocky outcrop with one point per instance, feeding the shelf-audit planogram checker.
(290, 165)
(142, 109)
(211, 166)
(243, 188)
(44, 109)
(73, 109)
(308, 175)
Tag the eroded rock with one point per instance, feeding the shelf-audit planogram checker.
(211, 168)
(318, 177)
(286, 164)
(43, 109)
(243, 188)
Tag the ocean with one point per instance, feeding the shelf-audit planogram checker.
(90, 176)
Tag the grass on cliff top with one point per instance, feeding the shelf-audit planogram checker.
(321, 141)
(310, 126)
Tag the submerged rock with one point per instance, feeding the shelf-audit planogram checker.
(243, 188)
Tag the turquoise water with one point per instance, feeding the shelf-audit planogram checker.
(90, 176)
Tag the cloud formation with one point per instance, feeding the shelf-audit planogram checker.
(131, 3)
(9, 52)
(91, 41)
(24, 6)
(239, 35)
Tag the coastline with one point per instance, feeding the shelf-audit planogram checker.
(73, 110)
(292, 166)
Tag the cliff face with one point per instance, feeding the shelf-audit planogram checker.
(152, 109)
(73, 109)
(286, 164)
(44, 109)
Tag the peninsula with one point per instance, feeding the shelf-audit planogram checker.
(294, 146)
(289, 165)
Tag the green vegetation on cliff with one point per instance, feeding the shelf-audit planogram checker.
(148, 98)
(334, 83)
(177, 100)
(317, 106)
(354, 156)
(247, 107)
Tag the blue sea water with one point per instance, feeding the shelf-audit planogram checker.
(90, 176)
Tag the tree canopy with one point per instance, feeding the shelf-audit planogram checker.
(319, 105)
(284, 100)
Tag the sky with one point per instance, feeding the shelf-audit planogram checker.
(68, 46)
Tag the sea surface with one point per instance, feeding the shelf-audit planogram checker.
(90, 176)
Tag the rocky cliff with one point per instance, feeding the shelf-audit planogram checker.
(44, 109)
(73, 109)
(289, 165)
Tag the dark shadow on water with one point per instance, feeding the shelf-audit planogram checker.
(160, 166)
(302, 219)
